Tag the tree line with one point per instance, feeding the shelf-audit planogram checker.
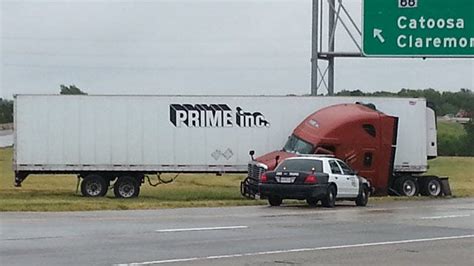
(443, 103)
(6, 111)
(6, 106)
(463, 145)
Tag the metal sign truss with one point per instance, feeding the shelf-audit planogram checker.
(322, 60)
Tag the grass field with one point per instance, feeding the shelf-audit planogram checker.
(450, 128)
(57, 193)
(460, 171)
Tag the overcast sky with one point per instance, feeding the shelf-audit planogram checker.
(190, 47)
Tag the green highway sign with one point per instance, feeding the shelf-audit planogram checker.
(418, 28)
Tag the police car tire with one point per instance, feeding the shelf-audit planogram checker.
(330, 199)
(363, 197)
(274, 201)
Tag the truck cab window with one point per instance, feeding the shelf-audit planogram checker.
(297, 145)
(370, 129)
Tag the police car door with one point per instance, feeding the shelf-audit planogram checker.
(351, 182)
(338, 177)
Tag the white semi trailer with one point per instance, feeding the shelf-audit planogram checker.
(121, 139)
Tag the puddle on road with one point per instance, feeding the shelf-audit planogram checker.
(465, 209)
(381, 211)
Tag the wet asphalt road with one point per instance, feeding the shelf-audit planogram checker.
(393, 233)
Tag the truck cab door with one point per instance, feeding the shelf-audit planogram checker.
(349, 181)
(368, 167)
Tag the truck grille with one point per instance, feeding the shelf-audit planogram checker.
(255, 170)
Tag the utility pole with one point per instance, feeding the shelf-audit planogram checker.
(314, 49)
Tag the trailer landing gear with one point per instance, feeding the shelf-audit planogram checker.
(19, 178)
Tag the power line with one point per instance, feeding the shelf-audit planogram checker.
(238, 39)
(160, 68)
(147, 55)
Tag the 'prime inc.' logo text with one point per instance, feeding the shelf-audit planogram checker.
(214, 115)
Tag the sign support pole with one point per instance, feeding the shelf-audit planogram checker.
(314, 49)
(331, 45)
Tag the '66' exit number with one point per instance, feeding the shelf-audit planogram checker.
(407, 3)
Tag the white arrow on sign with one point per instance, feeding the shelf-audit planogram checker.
(378, 35)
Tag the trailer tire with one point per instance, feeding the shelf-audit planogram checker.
(94, 185)
(274, 201)
(431, 186)
(329, 201)
(406, 186)
(126, 187)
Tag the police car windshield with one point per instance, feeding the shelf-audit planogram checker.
(303, 165)
(297, 145)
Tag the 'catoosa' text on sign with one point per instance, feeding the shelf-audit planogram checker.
(411, 41)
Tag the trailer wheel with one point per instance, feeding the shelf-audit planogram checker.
(274, 201)
(329, 201)
(126, 187)
(407, 186)
(431, 187)
(94, 186)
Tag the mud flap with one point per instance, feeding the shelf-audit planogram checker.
(445, 188)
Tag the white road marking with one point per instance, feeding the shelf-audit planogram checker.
(445, 216)
(201, 229)
(298, 250)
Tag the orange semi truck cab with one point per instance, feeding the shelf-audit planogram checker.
(356, 133)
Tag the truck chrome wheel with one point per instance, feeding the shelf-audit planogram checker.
(431, 187)
(407, 186)
(434, 187)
